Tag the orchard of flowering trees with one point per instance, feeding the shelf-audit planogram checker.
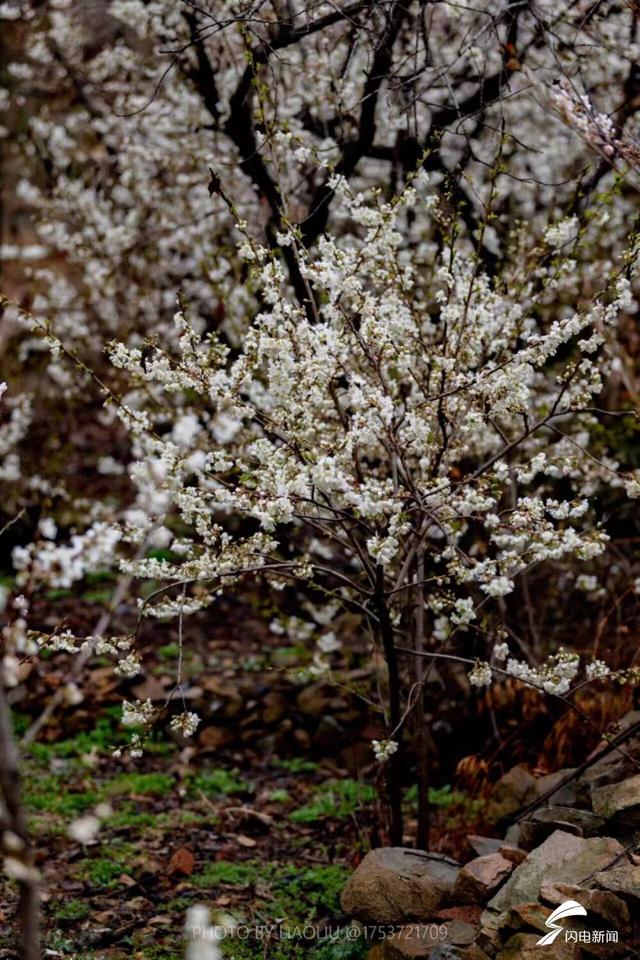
(331, 303)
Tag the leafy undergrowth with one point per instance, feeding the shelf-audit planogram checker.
(261, 817)
(264, 842)
(260, 844)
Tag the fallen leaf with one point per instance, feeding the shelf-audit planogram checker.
(212, 738)
(182, 861)
(245, 841)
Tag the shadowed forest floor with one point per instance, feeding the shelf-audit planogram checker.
(262, 817)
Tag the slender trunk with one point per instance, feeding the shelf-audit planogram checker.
(394, 787)
(420, 721)
(15, 826)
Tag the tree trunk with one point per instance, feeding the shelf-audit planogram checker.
(394, 785)
(15, 826)
(420, 722)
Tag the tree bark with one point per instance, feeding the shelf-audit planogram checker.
(394, 783)
(420, 722)
(15, 826)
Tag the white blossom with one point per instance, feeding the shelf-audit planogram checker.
(185, 724)
(384, 749)
(481, 674)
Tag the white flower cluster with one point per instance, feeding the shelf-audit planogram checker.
(481, 675)
(61, 565)
(410, 408)
(138, 714)
(384, 749)
(596, 129)
(334, 417)
(597, 669)
(554, 676)
(185, 724)
(12, 432)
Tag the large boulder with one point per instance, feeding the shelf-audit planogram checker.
(395, 885)
(562, 857)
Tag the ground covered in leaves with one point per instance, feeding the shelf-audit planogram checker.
(262, 817)
(266, 841)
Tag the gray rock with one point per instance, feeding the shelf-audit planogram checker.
(512, 836)
(617, 798)
(565, 795)
(445, 951)
(543, 822)
(623, 878)
(561, 857)
(614, 767)
(459, 933)
(600, 903)
(479, 878)
(512, 791)
(535, 832)
(395, 885)
(481, 846)
(587, 821)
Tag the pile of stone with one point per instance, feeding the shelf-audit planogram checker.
(578, 845)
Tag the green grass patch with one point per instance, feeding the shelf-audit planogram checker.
(338, 799)
(241, 874)
(52, 794)
(280, 795)
(98, 595)
(140, 784)
(102, 738)
(59, 593)
(312, 887)
(296, 765)
(69, 910)
(170, 651)
(220, 782)
(298, 894)
(234, 949)
(127, 816)
(103, 871)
